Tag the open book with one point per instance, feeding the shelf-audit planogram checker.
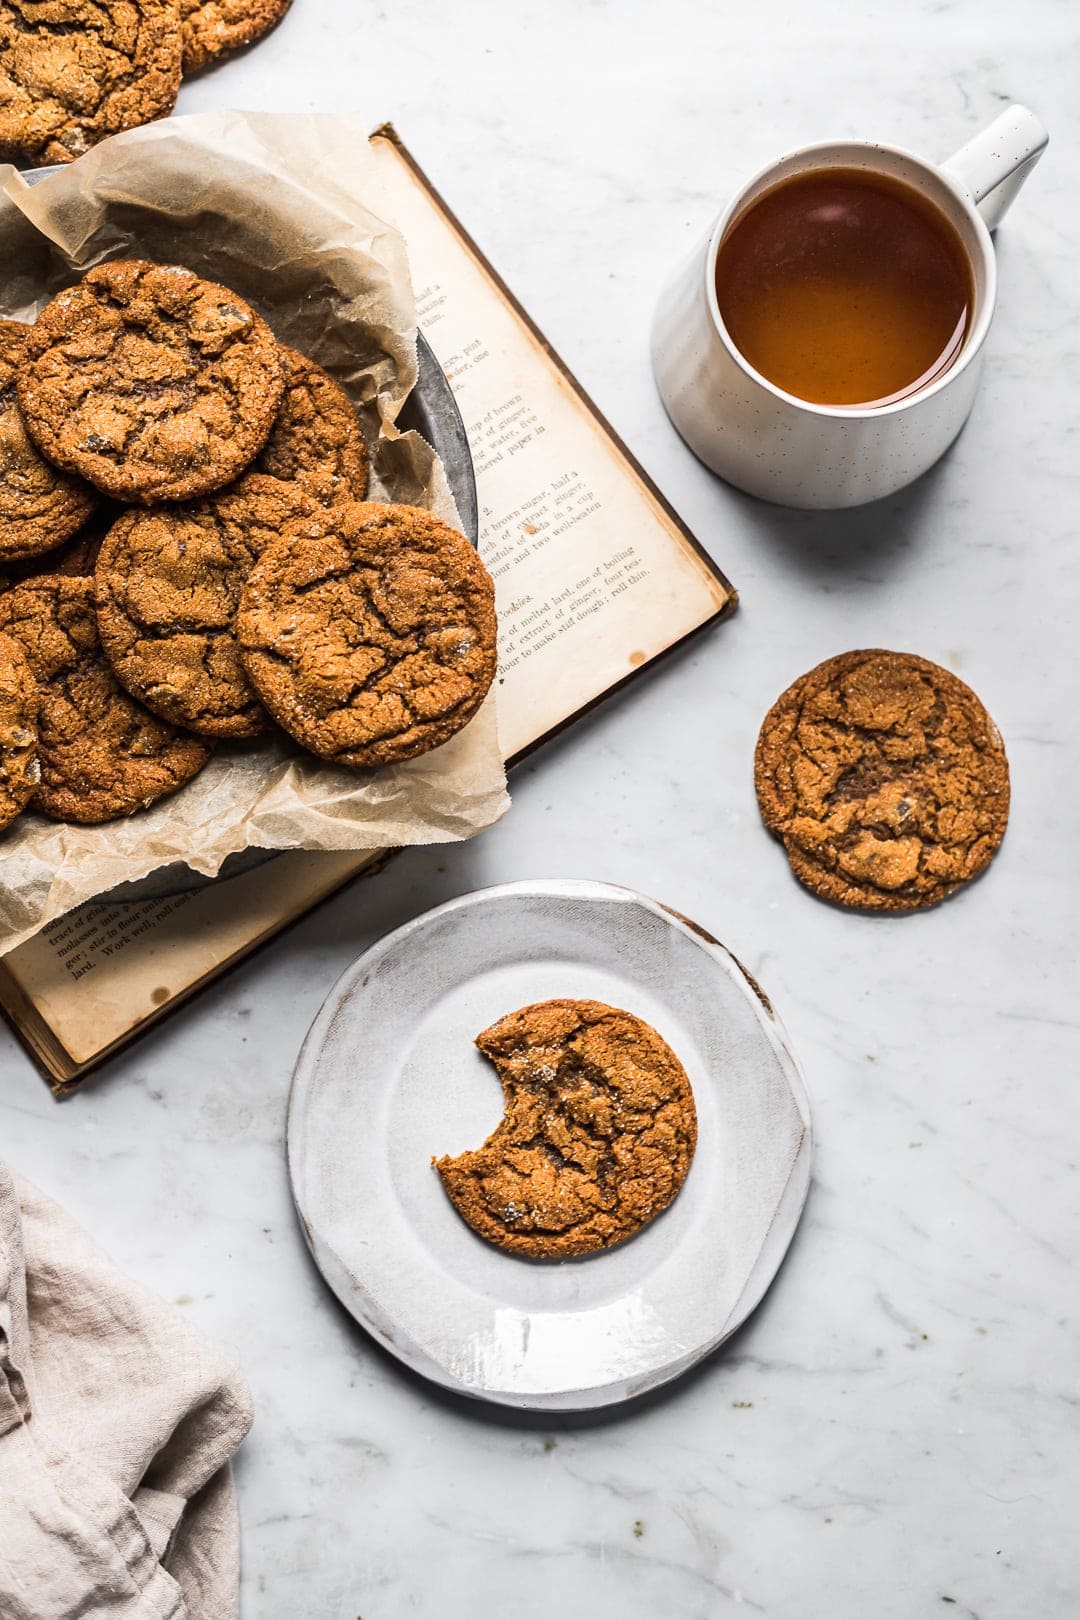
(596, 577)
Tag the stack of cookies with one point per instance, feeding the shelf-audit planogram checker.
(190, 556)
(74, 71)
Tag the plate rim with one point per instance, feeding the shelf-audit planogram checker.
(366, 1311)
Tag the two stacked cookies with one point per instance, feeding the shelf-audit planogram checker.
(72, 73)
(243, 579)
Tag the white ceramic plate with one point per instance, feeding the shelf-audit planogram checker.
(389, 1077)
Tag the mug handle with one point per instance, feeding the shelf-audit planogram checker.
(995, 163)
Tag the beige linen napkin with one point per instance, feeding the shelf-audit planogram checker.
(117, 1423)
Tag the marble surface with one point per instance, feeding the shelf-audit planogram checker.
(895, 1431)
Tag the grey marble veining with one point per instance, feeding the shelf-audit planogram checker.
(894, 1434)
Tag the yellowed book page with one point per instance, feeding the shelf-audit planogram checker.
(593, 577)
(104, 969)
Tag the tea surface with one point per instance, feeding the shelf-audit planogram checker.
(845, 287)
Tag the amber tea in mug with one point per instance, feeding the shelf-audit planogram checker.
(845, 287)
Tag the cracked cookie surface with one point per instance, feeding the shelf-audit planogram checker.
(168, 583)
(596, 1139)
(316, 439)
(102, 754)
(370, 638)
(885, 779)
(40, 507)
(74, 71)
(149, 382)
(19, 767)
(215, 28)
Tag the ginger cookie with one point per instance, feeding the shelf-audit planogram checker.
(74, 71)
(102, 754)
(370, 637)
(168, 583)
(19, 768)
(75, 559)
(316, 439)
(216, 28)
(596, 1139)
(149, 382)
(885, 779)
(77, 556)
(40, 507)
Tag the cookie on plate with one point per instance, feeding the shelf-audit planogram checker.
(316, 438)
(19, 768)
(370, 638)
(74, 71)
(596, 1139)
(149, 382)
(215, 28)
(168, 582)
(885, 779)
(40, 507)
(102, 754)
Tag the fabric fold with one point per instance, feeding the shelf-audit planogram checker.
(118, 1422)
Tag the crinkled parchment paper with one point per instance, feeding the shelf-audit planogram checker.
(270, 206)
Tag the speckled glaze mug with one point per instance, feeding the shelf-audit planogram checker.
(785, 449)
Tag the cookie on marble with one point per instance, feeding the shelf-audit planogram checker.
(370, 637)
(885, 779)
(102, 754)
(149, 382)
(40, 507)
(19, 768)
(597, 1136)
(215, 28)
(168, 583)
(74, 71)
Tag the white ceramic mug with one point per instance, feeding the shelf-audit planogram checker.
(786, 449)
